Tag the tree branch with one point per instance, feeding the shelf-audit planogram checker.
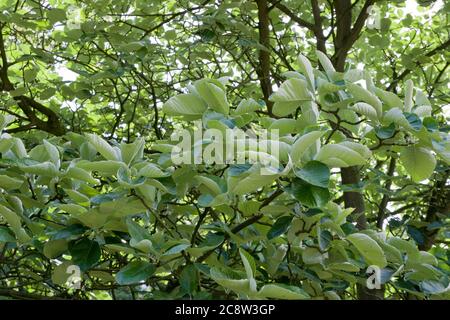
(402, 75)
(290, 14)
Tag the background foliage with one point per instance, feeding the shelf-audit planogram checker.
(88, 90)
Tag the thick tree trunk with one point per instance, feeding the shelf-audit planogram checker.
(439, 204)
(264, 55)
(353, 199)
(345, 37)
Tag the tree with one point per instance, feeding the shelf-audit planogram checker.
(89, 184)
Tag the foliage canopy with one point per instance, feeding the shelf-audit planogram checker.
(91, 92)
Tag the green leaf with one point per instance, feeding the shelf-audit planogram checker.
(431, 124)
(325, 238)
(43, 169)
(415, 234)
(137, 232)
(364, 95)
(414, 120)
(344, 266)
(18, 92)
(307, 70)
(344, 154)
(247, 106)
(55, 248)
(369, 249)
(30, 74)
(302, 144)
(395, 115)
(309, 195)
(366, 110)
(213, 186)
(60, 274)
(282, 291)
(80, 174)
(214, 96)
(135, 272)
(289, 96)
(326, 64)
(389, 98)
(5, 120)
(432, 287)
(77, 197)
(85, 253)
(103, 147)
(132, 151)
(418, 162)
(56, 14)
(385, 132)
(68, 232)
(405, 246)
(428, 258)
(294, 89)
(279, 227)
(249, 263)
(53, 153)
(229, 281)
(315, 173)
(284, 126)
(151, 170)
(185, 105)
(6, 235)
(312, 256)
(15, 222)
(205, 200)
(126, 181)
(189, 279)
(9, 183)
(251, 183)
(177, 249)
(106, 167)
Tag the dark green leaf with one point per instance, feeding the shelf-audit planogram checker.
(6, 235)
(413, 120)
(315, 173)
(385, 132)
(279, 227)
(309, 195)
(70, 231)
(312, 212)
(348, 228)
(238, 169)
(85, 253)
(189, 279)
(204, 200)
(416, 234)
(325, 238)
(431, 124)
(135, 272)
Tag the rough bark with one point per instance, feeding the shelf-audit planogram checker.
(439, 204)
(345, 38)
(264, 54)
